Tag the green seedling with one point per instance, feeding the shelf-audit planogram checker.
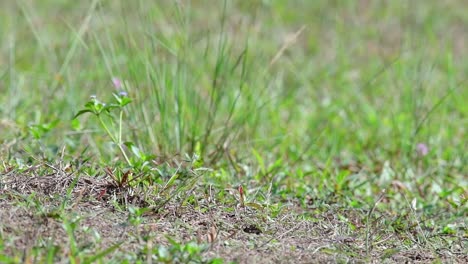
(104, 112)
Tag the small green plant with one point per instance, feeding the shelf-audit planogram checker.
(39, 130)
(77, 252)
(182, 253)
(136, 215)
(111, 123)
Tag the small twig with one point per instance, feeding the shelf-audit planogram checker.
(319, 248)
(383, 240)
(289, 41)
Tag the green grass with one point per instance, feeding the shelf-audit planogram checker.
(316, 108)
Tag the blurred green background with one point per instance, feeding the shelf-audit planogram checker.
(315, 87)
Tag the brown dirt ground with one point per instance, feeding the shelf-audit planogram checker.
(242, 235)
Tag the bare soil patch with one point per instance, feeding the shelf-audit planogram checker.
(34, 212)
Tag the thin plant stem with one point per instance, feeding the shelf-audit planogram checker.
(118, 140)
(120, 126)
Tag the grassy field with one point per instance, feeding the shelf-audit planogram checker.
(260, 131)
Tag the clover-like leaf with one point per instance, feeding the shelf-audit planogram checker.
(122, 99)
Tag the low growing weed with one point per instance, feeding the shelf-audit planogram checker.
(112, 125)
